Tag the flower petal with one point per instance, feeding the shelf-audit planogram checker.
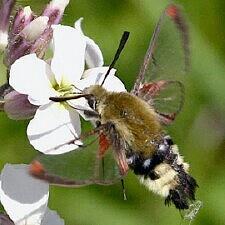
(82, 104)
(51, 218)
(117, 86)
(93, 54)
(31, 76)
(23, 197)
(69, 49)
(77, 25)
(54, 128)
(18, 107)
(96, 75)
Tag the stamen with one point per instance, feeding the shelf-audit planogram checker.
(77, 88)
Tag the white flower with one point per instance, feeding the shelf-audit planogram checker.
(25, 198)
(93, 54)
(56, 125)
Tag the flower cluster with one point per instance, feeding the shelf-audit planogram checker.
(32, 81)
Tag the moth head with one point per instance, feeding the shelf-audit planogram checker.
(94, 94)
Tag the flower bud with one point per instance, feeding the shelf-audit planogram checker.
(22, 18)
(17, 106)
(25, 42)
(16, 49)
(35, 28)
(54, 10)
(41, 44)
(17, 45)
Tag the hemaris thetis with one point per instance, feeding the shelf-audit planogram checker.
(129, 130)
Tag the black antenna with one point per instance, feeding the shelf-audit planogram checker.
(123, 41)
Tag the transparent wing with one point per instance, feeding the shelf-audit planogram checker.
(167, 59)
(167, 98)
(83, 166)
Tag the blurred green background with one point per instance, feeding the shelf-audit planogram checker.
(199, 130)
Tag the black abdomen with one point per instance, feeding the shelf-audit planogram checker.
(165, 170)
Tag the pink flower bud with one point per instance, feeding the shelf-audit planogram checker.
(18, 107)
(55, 10)
(35, 28)
(17, 45)
(33, 38)
(41, 44)
(22, 18)
(16, 49)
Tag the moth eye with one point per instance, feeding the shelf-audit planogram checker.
(92, 103)
(98, 123)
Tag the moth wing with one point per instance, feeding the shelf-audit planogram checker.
(167, 98)
(166, 60)
(83, 166)
(167, 57)
(118, 152)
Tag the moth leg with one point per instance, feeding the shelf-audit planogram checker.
(119, 147)
(109, 136)
(124, 190)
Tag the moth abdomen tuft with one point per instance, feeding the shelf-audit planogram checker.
(165, 173)
(183, 194)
